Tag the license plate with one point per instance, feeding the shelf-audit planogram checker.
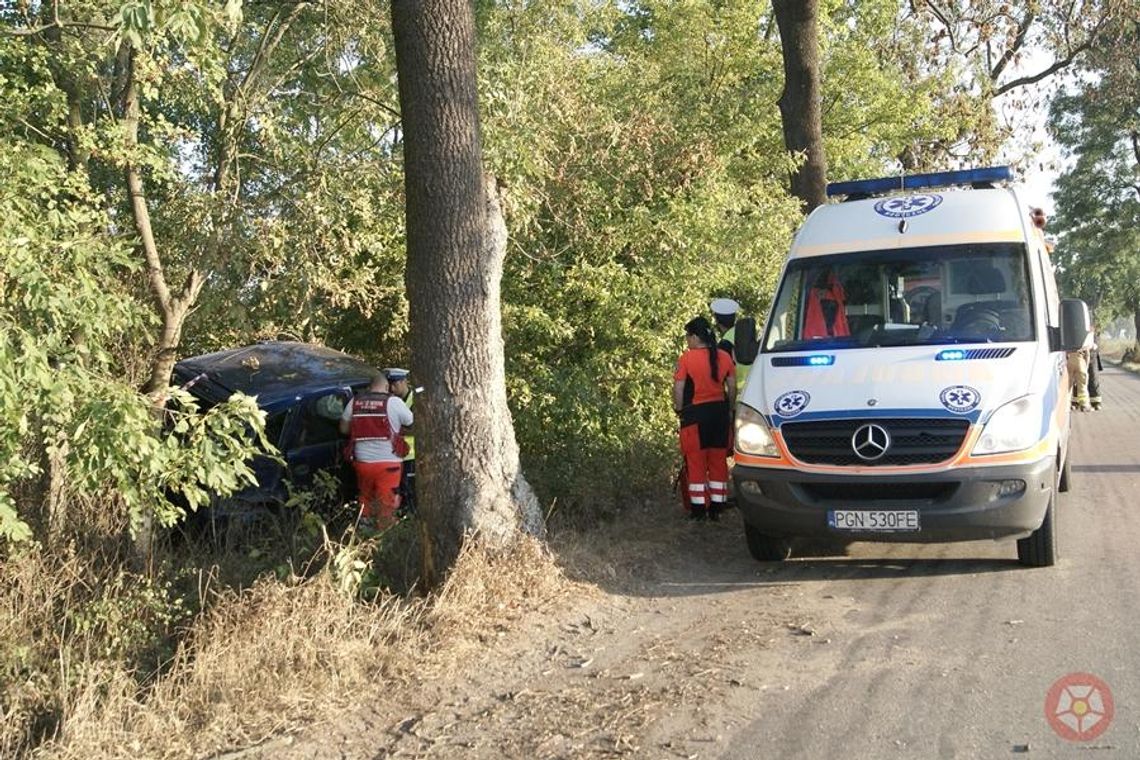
(877, 520)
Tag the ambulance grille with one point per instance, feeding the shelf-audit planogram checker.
(913, 441)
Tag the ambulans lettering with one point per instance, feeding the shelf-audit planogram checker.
(911, 205)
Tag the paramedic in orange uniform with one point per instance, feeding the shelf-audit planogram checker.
(704, 395)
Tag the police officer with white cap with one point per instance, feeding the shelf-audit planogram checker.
(724, 312)
(398, 386)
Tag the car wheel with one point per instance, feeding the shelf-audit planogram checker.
(766, 548)
(1039, 548)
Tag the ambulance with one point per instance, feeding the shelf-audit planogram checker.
(910, 383)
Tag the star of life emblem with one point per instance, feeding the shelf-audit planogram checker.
(792, 403)
(911, 205)
(960, 399)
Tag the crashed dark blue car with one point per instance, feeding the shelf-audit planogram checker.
(302, 388)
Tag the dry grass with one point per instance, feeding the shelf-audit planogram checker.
(620, 552)
(255, 663)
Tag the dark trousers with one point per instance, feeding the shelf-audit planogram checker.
(1094, 376)
(408, 486)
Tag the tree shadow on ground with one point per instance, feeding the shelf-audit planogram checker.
(659, 553)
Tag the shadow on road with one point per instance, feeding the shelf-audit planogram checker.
(666, 557)
(1103, 468)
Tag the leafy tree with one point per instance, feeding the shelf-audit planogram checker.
(994, 53)
(1097, 122)
(69, 425)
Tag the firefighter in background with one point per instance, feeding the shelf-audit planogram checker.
(1078, 363)
(1095, 368)
(704, 395)
(724, 312)
(373, 422)
(399, 386)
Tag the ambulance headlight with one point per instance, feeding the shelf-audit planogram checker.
(752, 433)
(1013, 427)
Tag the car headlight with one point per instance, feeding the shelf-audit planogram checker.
(1013, 427)
(752, 433)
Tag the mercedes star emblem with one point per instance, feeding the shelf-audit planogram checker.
(870, 442)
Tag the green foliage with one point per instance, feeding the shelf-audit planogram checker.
(65, 309)
(641, 181)
(1097, 122)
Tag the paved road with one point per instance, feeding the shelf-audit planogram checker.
(949, 651)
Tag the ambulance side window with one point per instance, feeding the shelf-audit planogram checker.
(788, 314)
(1052, 297)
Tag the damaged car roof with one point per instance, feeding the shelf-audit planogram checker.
(274, 371)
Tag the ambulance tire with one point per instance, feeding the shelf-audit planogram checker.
(766, 548)
(1039, 548)
(1065, 483)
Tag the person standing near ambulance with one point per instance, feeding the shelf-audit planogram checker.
(373, 421)
(704, 394)
(724, 312)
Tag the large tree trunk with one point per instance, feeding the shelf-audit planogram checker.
(468, 470)
(1136, 325)
(800, 103)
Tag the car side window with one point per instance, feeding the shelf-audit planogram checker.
(274, 427)
(320, 419)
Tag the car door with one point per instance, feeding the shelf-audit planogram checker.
(316, 440)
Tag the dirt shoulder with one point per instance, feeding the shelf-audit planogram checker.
(640, 656)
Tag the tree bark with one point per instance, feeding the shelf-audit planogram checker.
(173, 308)
(468, 467)
(800, 102)
(1136, 325)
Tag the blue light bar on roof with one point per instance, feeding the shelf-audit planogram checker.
(917, 181)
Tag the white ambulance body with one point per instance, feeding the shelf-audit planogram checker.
(911, 382)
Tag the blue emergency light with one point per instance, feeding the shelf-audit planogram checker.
(814, 360)
(963, 177)
(951, 355)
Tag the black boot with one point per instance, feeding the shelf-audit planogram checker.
(697, 512)
(714, 511)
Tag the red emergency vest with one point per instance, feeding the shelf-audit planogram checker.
(370, 418)
(815, 323)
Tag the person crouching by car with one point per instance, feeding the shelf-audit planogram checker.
(373, 423)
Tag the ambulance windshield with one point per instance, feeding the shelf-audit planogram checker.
(976, 293)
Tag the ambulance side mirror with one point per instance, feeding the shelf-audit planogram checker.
(1076, 324)
(746, 346)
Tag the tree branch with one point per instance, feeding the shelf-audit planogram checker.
(1044, 73)
(1011, 51)
(56, 23)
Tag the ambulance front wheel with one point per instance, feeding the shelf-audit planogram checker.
(1039, 548)
(766, 548)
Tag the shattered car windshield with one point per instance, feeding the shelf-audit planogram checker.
(976, 293)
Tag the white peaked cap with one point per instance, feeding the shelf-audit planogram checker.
(724, 306)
